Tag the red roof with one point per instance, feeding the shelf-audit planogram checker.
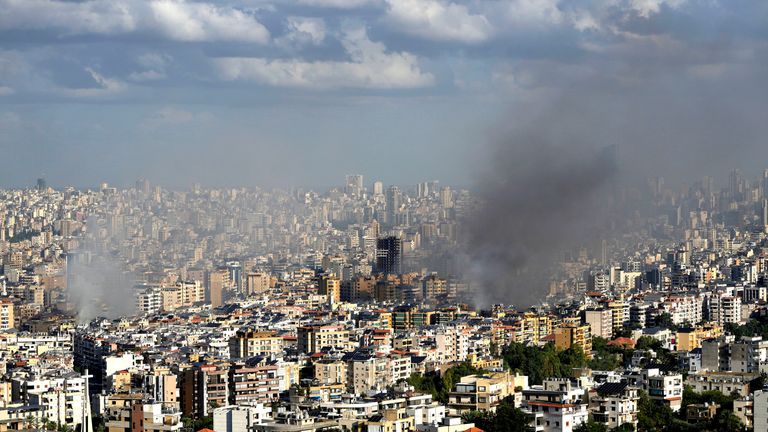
(622, 341)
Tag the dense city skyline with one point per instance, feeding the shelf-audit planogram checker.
(383, 215)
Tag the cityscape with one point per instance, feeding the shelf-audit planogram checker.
(383, 216)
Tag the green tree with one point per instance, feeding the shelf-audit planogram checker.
(652, 416)
(591, 426)
(439, 386)
(540, 363)
(507, 418)
(605, 357)
(726, 420)
(648, 343)
(664, 320)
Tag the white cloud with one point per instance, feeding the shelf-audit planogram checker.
(338, 4)
(303, 31)
(202, 21)
(105, 87)
(179, 20)
(646, 8)
(371, 66)
(438, 20)
(147, 75)
(534, 12)
(154, 65)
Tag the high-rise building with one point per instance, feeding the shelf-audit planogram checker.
(378, 188)
(354, 185)
(6, 314)
(235, 275)
(765, 183)
(446, 197)
(735, 185)
(330, 287)
(389, 255)
(203, 387)
(143, 186)
(217, 281)
(257, 283)
(600, 322)
(394, 197)
(571, 334)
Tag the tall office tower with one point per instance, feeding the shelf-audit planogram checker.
(41, 184)
(142, 186)
(764, 214)
(393, 204)
(446, 197)
(235, 275)
(389, 255)
(378, 188)
(354, 185)
(604, 252)
(765, 183)
(433, 187)
(422, 189)
(217, 281)
(735, 185)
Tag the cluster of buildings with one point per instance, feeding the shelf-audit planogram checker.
(144, 309)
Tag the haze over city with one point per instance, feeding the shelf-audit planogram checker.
(383, 215)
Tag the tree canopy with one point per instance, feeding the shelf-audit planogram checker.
(540, 363)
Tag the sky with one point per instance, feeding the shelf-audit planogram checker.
(302, 92)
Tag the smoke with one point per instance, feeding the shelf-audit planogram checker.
(98, 286)
(556, 164)
(540, 197)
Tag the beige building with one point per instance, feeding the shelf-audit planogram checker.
(391, 420)
(257, 283)
(483, 392)
(600, 322)
(691, 338)
(569, 335)
(331, 288)
(314, 337)
(331, 372)
(249, 343)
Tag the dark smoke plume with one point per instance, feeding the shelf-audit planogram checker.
(538, 199)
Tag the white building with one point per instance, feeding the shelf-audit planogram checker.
(61, 400)
(236, 418)
(665, 388)
(555, 406)
(614, 404)
(724, 309)
(760, 410)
